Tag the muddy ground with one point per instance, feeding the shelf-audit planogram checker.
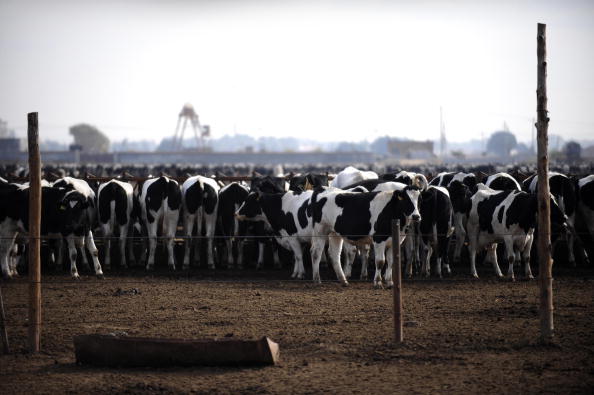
(462, 335)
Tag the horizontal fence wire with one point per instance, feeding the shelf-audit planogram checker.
(22, 238)
(240, 316)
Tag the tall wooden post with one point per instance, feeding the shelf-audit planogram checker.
(545, 275)
(34, 233)
(397, 278)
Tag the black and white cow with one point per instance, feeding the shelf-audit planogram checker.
(231, 197)
(563, 189)
(360, 218)
(84, 239)
(160, 202)
(200, 197)
(266, 184)
(461, 186)
(437, 216)
(585, 189)
(503, 182)
(114, 210)
(63, 214)
(508, 217)
(351, 175)
(287, 215)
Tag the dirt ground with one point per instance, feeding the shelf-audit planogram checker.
(461, 335)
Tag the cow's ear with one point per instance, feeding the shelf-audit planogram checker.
(400, 195)
(61, 206)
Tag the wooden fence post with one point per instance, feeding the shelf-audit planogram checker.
(397, 279)
(545, 275)
(34, 234)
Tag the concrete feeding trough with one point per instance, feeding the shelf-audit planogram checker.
(124, 351)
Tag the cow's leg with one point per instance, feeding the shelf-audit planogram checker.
(350, 252)
(260, 262)
(427, 251)
(275, 258)
(380, 259)
(152, 241)
(460, 238)
(334, 249)
(390, 263)
(130, 246)
(123, 242)
(364, 256)
(229, 248)
(492, 256)
(408, 268)
(316, 250)
(210, 224)
(189, 221)
(511, 256)
(6, 242)
(106, 231)
(92, 248)
(56, 243)
(72, 254)
(169, 229)
(79, 242)
(197, 242)
(472, 247)
(526, 256)
(298, 269)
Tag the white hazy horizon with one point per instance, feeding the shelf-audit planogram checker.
(325, 70)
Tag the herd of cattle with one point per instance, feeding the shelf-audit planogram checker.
(339, 216)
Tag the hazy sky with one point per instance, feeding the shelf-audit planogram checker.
(328, 70)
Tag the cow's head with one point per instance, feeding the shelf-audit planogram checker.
(408, 203)
(251, 209)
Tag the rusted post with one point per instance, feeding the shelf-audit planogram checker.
(5, 345)
(34, 233)
(397, 278)
(545, 275)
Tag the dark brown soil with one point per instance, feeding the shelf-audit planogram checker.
(461, 335)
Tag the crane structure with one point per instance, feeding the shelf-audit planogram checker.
(200, 132)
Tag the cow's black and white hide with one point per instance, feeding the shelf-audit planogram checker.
(86, 239)
(437, 216)
(460, 195)
(231, 197)
(360, 218)
(160, 203)
(563, 189)
(407, 178)
(63, 213)
(262, 232)
(114, 211)
(287, 215)
(508, 217)
(200, 197)
(446, 178)
(351, 175)
(585, 192)
(308, 181)
(503, 182)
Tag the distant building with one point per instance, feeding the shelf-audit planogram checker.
(10, 145)
(411, 149)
